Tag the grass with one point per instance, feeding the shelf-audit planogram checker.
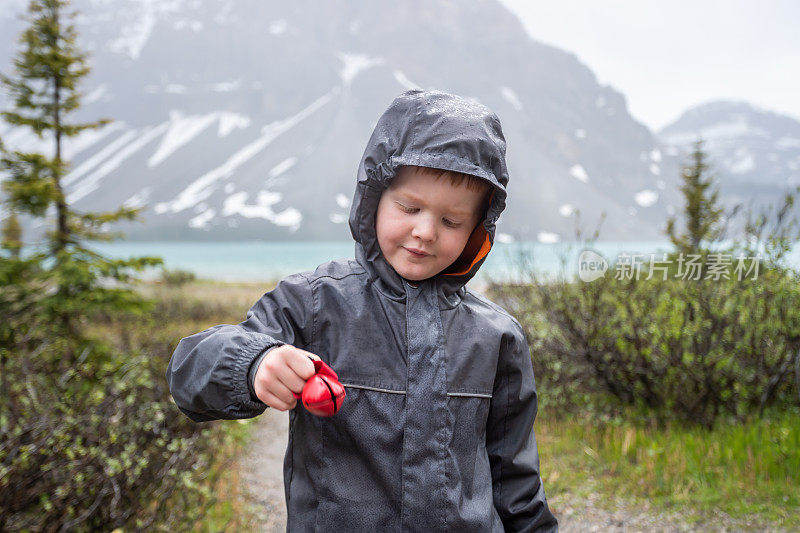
(750, 472)
(228, 512)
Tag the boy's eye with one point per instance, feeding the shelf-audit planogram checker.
(447, 222)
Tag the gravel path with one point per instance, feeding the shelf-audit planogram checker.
(261, 473)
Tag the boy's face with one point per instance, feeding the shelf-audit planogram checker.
(419, 213)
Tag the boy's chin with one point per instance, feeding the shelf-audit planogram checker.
(415, 278)
(413, 275)
(408, 275)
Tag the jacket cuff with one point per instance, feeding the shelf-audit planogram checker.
(251, 373)
(251, 350)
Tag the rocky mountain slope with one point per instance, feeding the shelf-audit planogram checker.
(246, 119)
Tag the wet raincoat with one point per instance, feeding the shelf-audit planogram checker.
(436, 431)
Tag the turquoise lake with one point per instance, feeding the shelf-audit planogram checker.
(269, 261)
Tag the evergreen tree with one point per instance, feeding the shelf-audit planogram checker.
(701, 210)
(12, 234)
(44, 91)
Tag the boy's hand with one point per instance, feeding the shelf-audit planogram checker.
(283, 370)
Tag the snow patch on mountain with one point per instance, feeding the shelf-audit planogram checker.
(97, 93)
(404, 81)
(646, 197)
(99, 157)
(547, 237)
(655, 155)
(91, 182)
(342, 201)
(235, 205)
(743, 163)
(88, 138)
(182, 129)
(229, 121)
(204, 186)
(354, 64)
(133, 37)
(579, 173)
(139, 199)
(511, 97)
(201, 220)
(504, 238)
(722, 131)
(279, 169)
(24, 140)
(226, 86)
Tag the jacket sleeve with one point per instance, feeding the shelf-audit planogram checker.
(209, 372)
(511, 443)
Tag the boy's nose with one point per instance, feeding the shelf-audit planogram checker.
(424, 229)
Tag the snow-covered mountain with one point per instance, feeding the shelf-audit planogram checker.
(246, 119)
(754, 153)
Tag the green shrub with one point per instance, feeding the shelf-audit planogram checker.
(688, 349)
(100, 447)
(177, 277)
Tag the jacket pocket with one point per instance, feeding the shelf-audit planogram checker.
(355, 516)
(362, 461)
(469, 476)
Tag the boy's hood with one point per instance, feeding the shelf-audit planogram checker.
(438, 130)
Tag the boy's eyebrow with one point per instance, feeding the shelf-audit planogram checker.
(415, 198)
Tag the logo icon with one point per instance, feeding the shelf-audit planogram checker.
(591, 266)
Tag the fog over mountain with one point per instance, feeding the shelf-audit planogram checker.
(246, 119)
(754, 153)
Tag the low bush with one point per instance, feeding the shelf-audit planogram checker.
(692, 350)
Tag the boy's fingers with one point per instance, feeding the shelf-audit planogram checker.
(281, 392)
(289, 379)
(309, 355)
(300, 362)
(276, 403)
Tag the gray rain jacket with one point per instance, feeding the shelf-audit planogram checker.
(436, 431)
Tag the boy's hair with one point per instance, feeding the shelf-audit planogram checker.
(473, 183)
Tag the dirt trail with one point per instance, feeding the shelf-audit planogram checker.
(261, 473)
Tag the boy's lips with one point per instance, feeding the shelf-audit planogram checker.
(416, 252)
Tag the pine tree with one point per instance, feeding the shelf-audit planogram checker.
(701, 210)
(48, 68)
(12, 234)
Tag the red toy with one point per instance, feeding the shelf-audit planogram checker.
(322, 394)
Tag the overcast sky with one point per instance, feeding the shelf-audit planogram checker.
(668, 55)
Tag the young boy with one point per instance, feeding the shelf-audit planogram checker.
(436, 430)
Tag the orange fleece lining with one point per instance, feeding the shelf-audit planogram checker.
(478, 245)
